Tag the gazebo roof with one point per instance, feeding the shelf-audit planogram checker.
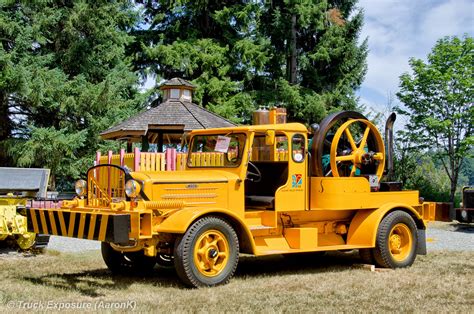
(171, 115)
(176, 81)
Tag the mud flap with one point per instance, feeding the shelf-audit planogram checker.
(421, 245)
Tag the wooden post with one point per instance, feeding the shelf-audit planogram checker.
(109, 161)
(97, 158)
(173, 159)
(168, 159)
(97, 162)
(160, 142)
(122, 157)
(136, 159)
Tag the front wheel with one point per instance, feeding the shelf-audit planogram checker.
(396, 241)
(126, 263)
(208, 253)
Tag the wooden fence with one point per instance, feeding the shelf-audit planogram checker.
(170, 160)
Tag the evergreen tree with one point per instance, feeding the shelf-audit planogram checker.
(303, 55)
(316, 62)
(67, 78)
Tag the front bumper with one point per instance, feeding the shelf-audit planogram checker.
(101, 226)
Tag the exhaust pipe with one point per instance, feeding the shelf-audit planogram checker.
(389, 145)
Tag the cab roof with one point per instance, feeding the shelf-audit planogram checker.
(289, 127)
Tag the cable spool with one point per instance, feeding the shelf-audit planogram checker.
(347, 145)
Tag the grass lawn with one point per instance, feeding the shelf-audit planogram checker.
(441, 281)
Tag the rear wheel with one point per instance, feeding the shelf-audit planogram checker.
(396, 241)
(127, 263)
(208, 253)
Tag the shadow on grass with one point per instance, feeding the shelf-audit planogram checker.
(92, 283)
(280, 265)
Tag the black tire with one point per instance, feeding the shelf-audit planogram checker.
(226, 242)
(396, 241)
(367, 256)
(126, 263)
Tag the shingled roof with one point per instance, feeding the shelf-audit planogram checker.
(176, 81)
(171, 114)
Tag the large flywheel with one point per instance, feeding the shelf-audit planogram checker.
(351, 152)
(347, 145)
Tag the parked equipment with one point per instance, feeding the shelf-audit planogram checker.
(19, 186)
(255, 189)
(466, 212)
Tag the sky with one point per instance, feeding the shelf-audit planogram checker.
(400, 29)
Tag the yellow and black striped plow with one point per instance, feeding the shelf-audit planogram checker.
(105, 227)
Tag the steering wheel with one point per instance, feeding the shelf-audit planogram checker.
(253, 176)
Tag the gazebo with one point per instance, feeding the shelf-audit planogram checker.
(170, 120)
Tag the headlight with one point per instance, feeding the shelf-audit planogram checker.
(81, 187)
(132, 188)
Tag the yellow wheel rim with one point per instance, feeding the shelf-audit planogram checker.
(400, 242)
(26, 241)
(358, 155)
(211, 253)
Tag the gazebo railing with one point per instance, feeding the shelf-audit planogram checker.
(170, 160)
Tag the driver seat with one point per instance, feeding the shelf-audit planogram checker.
(262, 194)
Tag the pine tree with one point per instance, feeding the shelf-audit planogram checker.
(71, 80)
(302, 55)
(316, 63)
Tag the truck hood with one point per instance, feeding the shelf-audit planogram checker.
(194, 176)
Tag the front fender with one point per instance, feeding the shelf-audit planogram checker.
(364, 225)
(180, 221)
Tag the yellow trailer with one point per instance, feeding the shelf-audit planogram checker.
(323, 196)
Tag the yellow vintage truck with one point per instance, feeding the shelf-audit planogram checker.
(257, 189)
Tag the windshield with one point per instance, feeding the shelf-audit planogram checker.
(216, 150)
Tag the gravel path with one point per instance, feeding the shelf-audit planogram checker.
(439, 236)
(450, 236)
(64, 244)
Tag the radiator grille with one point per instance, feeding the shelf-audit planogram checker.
(105, 184)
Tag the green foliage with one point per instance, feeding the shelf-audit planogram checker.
(438, 98)
(237, 53)
(418, 171)
(59, 154)
(67, 78)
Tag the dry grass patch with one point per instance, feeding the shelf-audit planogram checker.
(440, 282)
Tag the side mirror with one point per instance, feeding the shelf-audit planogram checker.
(270, 138)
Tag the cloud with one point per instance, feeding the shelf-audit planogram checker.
(399, 30)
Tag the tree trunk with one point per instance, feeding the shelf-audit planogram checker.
(293, 60)
(453, 191)
(5, 128)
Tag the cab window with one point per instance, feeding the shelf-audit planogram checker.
(216, 150)
(298, 147)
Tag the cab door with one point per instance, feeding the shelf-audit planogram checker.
(293, 195)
